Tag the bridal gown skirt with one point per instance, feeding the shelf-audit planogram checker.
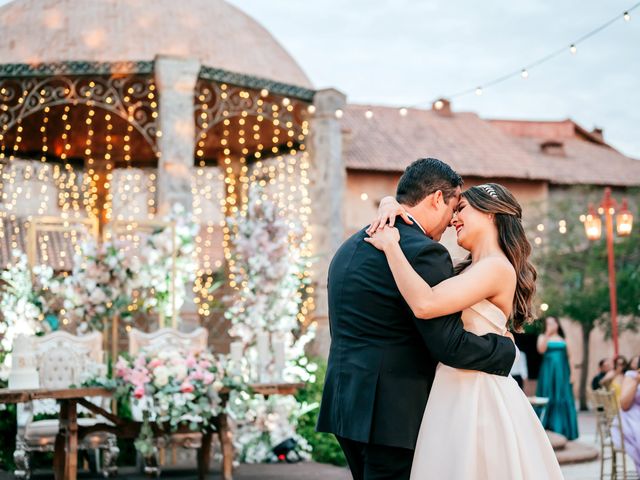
(481, 427)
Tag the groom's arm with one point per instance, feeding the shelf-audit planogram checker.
(445, 337)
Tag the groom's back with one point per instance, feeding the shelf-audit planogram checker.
(365, 305)
(379, 371)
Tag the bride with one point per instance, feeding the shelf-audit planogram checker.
(476, 425)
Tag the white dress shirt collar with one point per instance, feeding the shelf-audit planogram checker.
(417, 223)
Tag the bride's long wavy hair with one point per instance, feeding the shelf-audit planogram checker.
(496, 200)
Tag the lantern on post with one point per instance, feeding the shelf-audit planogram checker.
(624, 220)
(593, 224)
(593, 229)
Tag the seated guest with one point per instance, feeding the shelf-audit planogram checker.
(605, 365)
(630, 412)
(613, 378)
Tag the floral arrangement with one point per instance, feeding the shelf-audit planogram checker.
(268, 268)
(173, 386)
(97, 289)
(154, 265)
(263, 423)
(24, 304)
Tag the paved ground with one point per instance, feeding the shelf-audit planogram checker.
(314, 471)
(306, 471)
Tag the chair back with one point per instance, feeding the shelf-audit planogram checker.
(168, 337)
(608, 415)
(63, 359)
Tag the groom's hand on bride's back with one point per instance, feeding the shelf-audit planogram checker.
(388, 210)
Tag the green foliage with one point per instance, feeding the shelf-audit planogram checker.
(325, 446)
(8, 437)
(573, 270)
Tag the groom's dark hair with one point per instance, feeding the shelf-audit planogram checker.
(424, 177)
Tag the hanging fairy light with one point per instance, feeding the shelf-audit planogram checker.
(524, 73)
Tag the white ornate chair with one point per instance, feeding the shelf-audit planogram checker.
(63, 360)
(193, 341)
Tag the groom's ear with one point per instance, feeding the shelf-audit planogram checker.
(438, 198)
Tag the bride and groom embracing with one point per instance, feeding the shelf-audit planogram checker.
(417, 383)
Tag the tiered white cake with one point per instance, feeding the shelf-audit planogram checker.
(24, 374)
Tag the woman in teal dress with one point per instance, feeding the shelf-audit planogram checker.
(554, 382)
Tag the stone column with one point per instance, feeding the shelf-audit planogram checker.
(175, 81)
(328, 184)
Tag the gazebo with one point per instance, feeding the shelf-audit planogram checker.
(112, 111)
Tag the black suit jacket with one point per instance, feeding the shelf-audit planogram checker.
(382, 359)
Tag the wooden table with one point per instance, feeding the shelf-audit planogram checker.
(65, 459)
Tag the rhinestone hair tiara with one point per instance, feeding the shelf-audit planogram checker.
(489, 189)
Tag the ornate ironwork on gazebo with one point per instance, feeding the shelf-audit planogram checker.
(123, 141)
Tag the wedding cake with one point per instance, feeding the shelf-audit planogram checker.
(24, 374)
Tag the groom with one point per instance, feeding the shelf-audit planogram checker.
(382, 359)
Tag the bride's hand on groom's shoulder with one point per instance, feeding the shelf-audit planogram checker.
(385, 238)
(388, 210)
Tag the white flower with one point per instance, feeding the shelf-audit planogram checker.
(161, 376)
(97, 296)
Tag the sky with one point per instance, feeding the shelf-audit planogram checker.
(409, 52)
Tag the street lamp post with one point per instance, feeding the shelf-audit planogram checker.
(593, 229)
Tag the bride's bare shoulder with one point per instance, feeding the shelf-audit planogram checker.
(499, 264)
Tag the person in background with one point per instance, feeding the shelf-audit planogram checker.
(613, 379)
(630, 412)
(519, 371)
(554, 381)
(604, 366)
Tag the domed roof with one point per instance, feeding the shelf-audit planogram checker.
(216, 33)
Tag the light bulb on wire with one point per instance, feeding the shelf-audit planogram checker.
(573, 49)
(479, 91)
(626, 16)
(524, 74)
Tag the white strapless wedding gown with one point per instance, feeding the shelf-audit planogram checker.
(478, 426)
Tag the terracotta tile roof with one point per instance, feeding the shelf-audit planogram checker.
(582, 157)
(390, 142)
(484, 148)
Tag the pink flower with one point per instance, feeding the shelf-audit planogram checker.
(197, 375)
(140, 362)
(187, 387)
(208, 378)
(205, 364)
(191, 361)
(139, 377)
(155, 363)
(121, 367)
(138, 392)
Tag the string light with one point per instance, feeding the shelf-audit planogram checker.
(524, 72)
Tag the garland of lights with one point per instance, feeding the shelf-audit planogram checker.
(522, 72)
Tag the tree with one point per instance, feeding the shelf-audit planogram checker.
(574, 273)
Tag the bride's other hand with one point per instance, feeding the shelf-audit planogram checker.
(388, 210)
(385, 238)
